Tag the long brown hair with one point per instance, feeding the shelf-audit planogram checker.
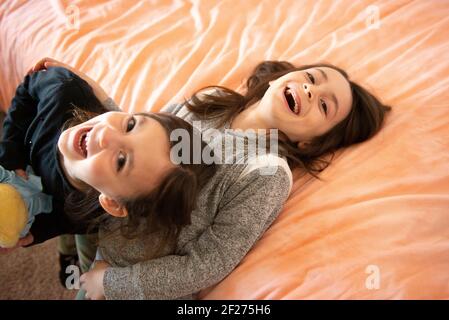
(364, 120)
(163, 210)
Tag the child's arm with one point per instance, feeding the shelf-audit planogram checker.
(20, 115)
(99, 92)
(23, 242)
(38, 90)
(219, 249)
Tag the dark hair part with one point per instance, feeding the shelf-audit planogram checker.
(163, 210)
(364, 120)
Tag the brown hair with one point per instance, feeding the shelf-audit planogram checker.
(364, 120)
(163, 210)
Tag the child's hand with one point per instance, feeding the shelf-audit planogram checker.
(46, 63)
(28, 239)
(21, 173)
(92, 281)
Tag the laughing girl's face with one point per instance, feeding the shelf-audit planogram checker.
(119, 154)
(308, 103)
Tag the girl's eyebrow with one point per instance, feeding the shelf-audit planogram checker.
(141, 120)
(323, 74)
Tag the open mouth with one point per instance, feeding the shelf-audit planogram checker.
(80, 141)
(293, 100)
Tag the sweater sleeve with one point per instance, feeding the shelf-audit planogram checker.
(110, 105)
(248, 208)
(172, 108)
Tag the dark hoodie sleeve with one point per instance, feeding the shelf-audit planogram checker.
(37, 89)
(13, 152)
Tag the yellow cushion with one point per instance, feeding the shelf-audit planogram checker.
(13, 215)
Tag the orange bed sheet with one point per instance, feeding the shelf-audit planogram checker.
(377, 225)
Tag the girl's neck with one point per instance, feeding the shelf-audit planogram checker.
(249, 118)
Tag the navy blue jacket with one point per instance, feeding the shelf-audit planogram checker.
(42, 104)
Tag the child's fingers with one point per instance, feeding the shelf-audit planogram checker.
(41, 65)
(21, 173)
(28, 239)
(25, 241)
(54, 63)
(49, 64)
(4, 250)
(38, 66)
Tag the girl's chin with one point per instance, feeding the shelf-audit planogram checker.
(60, 144)
(64, 147)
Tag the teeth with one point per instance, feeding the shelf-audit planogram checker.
(295, 107)
(80, 142)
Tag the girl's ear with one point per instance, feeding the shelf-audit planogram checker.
(303, 144)
(112, 207)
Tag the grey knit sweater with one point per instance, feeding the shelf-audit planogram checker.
(234, 209)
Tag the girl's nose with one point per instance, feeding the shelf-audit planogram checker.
(307, 90)
(107, 137)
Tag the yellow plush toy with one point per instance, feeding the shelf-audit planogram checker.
(13, 215)
(20, 201)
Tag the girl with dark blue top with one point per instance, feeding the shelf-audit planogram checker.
(94, 161)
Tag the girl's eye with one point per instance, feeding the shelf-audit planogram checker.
(131, 124)
(121, 161)
(324, 106)
(311, 77)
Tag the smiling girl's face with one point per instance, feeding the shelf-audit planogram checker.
(306, 104)
(119, 154)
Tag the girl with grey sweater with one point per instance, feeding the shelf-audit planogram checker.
(316, 110)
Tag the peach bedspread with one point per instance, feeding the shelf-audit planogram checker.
(377, 226)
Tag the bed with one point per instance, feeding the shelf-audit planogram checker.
(377, 225)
